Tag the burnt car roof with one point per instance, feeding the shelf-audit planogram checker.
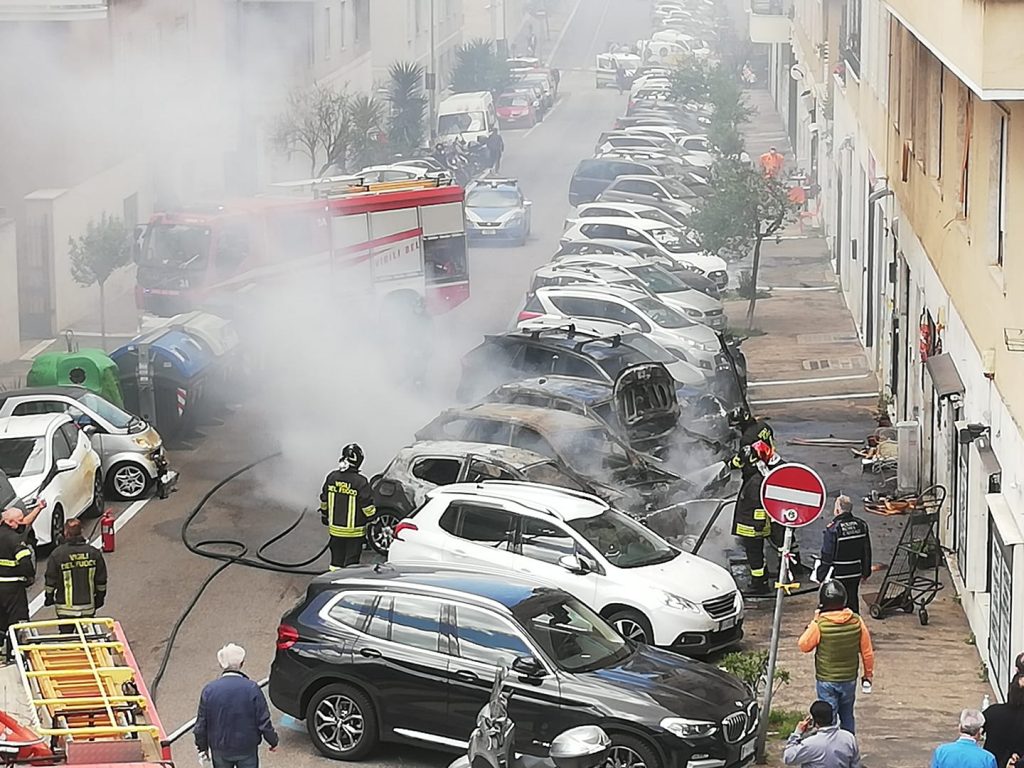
(584, 390)
(519, 457)
(544, 419)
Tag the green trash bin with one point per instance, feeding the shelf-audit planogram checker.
(89, 368)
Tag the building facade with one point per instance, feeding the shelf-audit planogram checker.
(911, 116)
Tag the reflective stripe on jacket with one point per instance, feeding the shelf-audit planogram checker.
(76, 579)
(16, 566)
(346, 503)
(749, 518)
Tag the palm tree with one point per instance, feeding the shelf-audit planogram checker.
(367, 138)
(408, 103)
(479, 68)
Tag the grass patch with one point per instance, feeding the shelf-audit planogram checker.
(782, 722)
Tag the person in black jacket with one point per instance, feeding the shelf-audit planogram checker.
(751, 430)
(346, 505)
(17, 571)
(76, 576)
(1004, 724)
(846, 551)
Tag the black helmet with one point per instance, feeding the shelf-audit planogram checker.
(740, 416)
(832, 596)
(351, 456)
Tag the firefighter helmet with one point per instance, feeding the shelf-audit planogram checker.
(832, 596)
(351, 456)
(740, 417)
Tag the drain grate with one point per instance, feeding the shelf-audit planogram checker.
(824, 338)
(836, 363)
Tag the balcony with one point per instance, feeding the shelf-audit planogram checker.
(770, 20)
(980, 41)
(53, 10)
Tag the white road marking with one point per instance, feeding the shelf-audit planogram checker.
(565, 28)
(792, 495)
(119, 522)
(37, 349)
(800, 287)
(812, 398)
(781, 382)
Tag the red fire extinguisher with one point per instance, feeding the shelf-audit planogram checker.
(107, 531)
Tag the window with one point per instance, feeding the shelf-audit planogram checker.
(480, 470)
(380, 622)
(1001, 157)
(60, 446)
(130, 209)
(35, 407)
(570, 365)
(328, 42)
(483, 525)
(536, 360)
(418, 14)
(437, 470)
(232, 247)
(543, 540)
(487, 638)
(965, 113)
(352, 610)
(341, 26)
(416, 622)
(531, 440)
(71, 434)
(488, 431)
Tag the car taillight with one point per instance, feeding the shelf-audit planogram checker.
(287, 636)
(527, 315)
(403, 526)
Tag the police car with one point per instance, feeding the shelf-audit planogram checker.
(497, 210)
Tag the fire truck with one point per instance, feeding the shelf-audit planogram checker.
(399, 241)
(75, 696)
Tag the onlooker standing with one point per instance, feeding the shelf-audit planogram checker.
(965, 752)
(840, 641)
(1004, 724)
(496, 147)
(846, 551)
(828, 746)
(772, 162)
(621, 80)
(76, 576)
(233, 715)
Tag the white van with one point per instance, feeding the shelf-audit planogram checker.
(469, 115)
(609, 63)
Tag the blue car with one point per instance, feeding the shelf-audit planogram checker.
(497, 210)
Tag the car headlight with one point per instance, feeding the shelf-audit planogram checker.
(681, 603)
(688, 729)
(694, 312)
(515, 218)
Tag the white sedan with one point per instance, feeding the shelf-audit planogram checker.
(48, 458)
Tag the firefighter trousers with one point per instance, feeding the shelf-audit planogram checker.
(753, 547)
(345, 551)
(13, 607)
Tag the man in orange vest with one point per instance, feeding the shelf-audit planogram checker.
(771, 163)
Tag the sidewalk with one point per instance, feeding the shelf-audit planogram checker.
(924, 674)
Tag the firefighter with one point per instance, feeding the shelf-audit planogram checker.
(346, 503)
(751, 430)
(76, 576)
(16, 571)
(750, 522)
(846, 551)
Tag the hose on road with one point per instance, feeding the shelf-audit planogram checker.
(230, 552)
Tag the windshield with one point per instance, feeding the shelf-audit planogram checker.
(460, 122)
(549, 473)
(107, 411)
(177, 246)
(662, 314)
(513, 100)
(677, 188)
(590, 450)
(571, 635)
(657, 215)
(657, 279)
(23, 456)
(623, 542)
(492, 198)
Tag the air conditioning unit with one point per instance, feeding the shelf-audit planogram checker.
(908, 457)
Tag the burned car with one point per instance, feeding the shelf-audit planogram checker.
(419, 468)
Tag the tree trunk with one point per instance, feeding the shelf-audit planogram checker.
(103, 316)
(753, 280)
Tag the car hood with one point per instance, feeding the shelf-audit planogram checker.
(688, 576)
(27, 487)
(491, 214)
(652, 684)
(693, 299)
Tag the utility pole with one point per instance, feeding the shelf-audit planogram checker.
(432, 78)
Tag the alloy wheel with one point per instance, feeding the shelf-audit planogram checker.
(381, 530)
(129, 481)
(339, 723)
(624, 757)
(631, 630)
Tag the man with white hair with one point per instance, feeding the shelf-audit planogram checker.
(846, 551)
(233, 715)
(965, 752)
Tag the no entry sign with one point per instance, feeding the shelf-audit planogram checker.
(793, 495)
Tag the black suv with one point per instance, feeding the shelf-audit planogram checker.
(409, 653)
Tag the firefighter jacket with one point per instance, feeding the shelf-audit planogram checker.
(756, 430)
(76, 579)
(845, 549)
(346, 503)
(749, 519)
(16, 566)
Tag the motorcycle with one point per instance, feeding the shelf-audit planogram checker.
(492, 743)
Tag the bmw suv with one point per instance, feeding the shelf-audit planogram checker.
(409, 654)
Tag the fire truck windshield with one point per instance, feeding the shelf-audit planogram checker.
(176, 246)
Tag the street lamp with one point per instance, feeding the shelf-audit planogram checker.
(432, 79)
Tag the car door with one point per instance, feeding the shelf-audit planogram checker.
(83, 455)
(478, 535)
(483, 640)
(402, 658)
(67, 486)
(539, 544)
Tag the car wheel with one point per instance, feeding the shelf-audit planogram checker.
(95, 508)
(342, 723)
(632, 625)
(57, 526)
(380, 531)
(631, 752)
(129, 480)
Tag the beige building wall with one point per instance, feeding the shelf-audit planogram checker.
(493, 19)
(10, 340)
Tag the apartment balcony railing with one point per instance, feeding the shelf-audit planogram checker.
(53, 10)
(770, 20)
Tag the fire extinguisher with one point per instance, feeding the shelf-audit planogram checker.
(107, 531)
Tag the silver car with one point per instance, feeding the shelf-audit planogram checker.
(131, 451)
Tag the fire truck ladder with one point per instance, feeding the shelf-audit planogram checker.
(80, 679)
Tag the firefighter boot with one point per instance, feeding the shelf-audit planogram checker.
(758, 587)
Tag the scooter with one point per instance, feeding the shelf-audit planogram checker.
(492, 743)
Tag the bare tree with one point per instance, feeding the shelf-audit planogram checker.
(95, 256)
(315, 123)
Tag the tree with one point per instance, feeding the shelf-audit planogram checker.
(408, 104)
(744, 208)
(104, 248)
(690, 82)
(314, 123)
(367, 141)
(730, 111)
(479, 68)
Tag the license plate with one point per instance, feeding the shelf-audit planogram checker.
(747, 750)
(727, 624)
(487, 231)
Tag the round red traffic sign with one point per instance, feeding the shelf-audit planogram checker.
(793, 495)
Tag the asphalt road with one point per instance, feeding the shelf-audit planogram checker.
(152, 575)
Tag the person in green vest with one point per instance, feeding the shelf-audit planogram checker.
(840, 641)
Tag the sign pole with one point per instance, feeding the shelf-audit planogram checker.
(773, 652)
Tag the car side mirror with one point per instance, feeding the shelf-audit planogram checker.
(636, 327)
(573, 564)
(528, 667)
(89, 429)
(66, 465)
(527, 203)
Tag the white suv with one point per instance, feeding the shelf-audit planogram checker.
(651, 591)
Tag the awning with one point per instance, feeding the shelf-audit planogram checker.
(945, 377)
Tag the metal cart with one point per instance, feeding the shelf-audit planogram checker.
(913, 580)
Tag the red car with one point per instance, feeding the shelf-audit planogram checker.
(516, 110)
